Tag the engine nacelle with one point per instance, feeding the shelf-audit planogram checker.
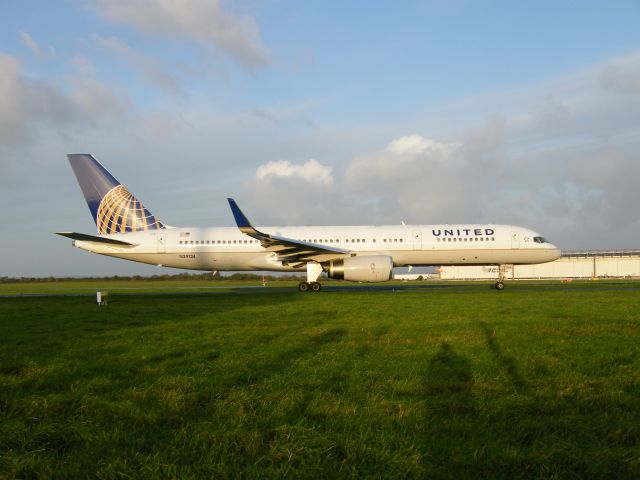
(365, 268)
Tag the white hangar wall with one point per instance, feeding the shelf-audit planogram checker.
(600, 264)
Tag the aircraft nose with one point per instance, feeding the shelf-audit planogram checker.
(555, 252)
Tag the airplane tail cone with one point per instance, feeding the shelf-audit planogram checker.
(113, 208)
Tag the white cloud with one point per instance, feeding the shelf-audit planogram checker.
(403, 157)
(30, 107)
(83, 65)
(287, 193)
(203, 21)
(622, 74)
(10, 98)
(34, 47)
(311, 171)
(152, 70)
(30, 42)
(415, 178)
(415, 145)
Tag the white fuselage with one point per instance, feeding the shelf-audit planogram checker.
(416, 245)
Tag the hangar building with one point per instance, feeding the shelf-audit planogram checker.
(586, 264)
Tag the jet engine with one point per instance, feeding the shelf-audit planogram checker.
(365, 268)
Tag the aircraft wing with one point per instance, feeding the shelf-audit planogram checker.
(96, 239)
(290, 251)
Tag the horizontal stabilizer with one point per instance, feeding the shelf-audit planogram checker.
(93, 238)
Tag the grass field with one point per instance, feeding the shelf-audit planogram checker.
(126, 286)
(537, 381)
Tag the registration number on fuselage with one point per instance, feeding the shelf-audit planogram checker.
(190, 255)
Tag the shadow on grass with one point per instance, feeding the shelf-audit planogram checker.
(259, 372)
(506, 362)
(448, 385)
(449, 409)
(337, 382)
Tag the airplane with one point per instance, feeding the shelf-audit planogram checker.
(127, 230)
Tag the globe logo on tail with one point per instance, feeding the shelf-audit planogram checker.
(121, 212)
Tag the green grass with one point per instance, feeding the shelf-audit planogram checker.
(88, 287)
(538, 381)
(123, 286)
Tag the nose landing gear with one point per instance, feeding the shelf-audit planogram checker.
(499, 285)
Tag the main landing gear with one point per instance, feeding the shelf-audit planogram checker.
(314, 270)
(313, 286)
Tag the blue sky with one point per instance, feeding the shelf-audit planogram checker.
(320, 113)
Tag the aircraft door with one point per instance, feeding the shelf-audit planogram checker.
(417, 240)
(515, 240)
(161, 238)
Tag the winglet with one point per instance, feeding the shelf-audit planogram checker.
(287, 248)
(241, 220)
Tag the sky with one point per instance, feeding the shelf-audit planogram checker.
(319, 113)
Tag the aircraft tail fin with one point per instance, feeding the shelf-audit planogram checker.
(113, 208)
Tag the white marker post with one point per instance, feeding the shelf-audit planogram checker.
(101, 298)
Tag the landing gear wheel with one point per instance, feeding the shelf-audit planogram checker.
(316, 287)
(499, 286)
(303, 287)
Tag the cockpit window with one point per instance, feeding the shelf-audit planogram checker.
(540, 240)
